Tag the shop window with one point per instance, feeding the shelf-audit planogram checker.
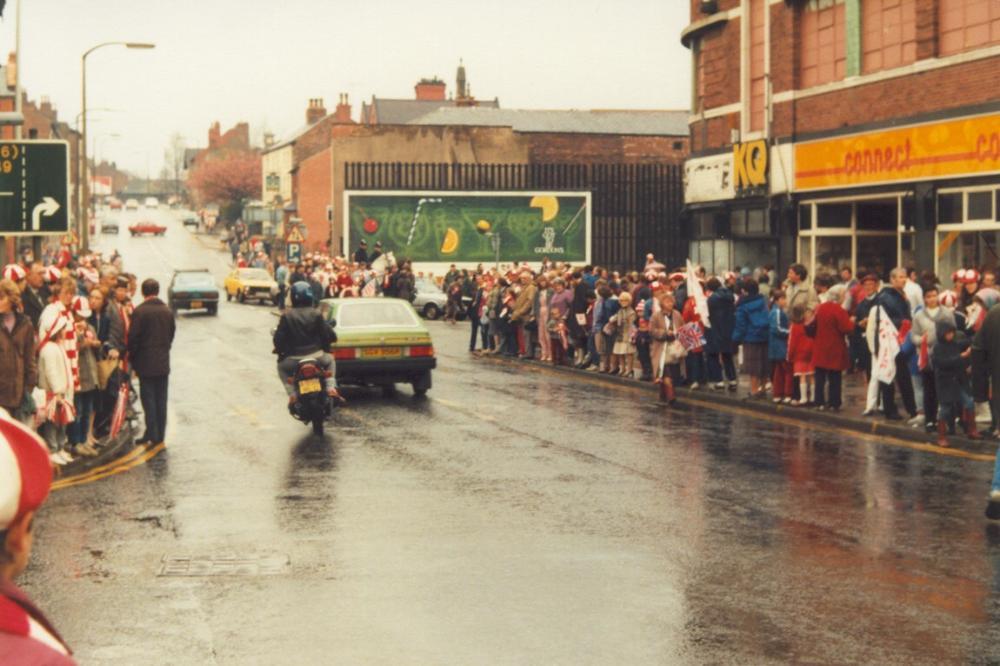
(832, 253)
(967, 249)
(738, 222)
(805, 252)
(877, 216)
(980, 206)
(834, 216)
(996, 206)
(805, 217)
(757, 222)
(909, 213)
(824, 43)
(876, 254)
(950, 208)
(964, 25)
(889, 34)
(755, 254)
(704, 225)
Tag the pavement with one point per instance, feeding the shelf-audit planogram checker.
(513, 516)
(850, 416)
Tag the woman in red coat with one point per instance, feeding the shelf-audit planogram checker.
(830, 356)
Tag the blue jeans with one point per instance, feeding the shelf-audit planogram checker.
(78, 429)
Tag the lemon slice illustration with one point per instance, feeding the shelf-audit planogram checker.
(549, 206)
(450, 243)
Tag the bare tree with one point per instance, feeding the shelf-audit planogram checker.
(174, 159)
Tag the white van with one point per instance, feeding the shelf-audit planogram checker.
(151, 202)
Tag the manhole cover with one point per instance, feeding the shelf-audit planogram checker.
(225, 565)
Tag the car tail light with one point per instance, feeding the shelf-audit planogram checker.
(422, 350)
(345, 354)
(308, 371)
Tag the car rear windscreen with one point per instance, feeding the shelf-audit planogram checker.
(201, 280)
(375, 313)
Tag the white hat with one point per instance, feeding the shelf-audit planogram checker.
(25, 470)
(80, 306)
(53, 274)
(52, 320)
(14, 272)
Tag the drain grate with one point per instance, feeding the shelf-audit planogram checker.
(225, 565)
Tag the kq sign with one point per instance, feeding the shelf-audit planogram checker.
(750, 168)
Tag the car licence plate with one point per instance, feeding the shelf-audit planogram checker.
(196, 305)
(382, 352)
(307, 386)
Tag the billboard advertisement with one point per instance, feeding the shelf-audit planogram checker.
(456, 227)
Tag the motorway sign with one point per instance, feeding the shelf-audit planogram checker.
(34, 188)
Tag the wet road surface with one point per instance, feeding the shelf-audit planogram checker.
(509, 518)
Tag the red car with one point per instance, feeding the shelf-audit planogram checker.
(140, 228)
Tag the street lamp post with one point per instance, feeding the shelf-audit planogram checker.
(84, 203)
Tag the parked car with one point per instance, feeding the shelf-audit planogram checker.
(429, 300)
(131, 204)
(147, 227)
(190, 222)
(109, 227)
(245, 284)
(151, 202)
(193, 290)
(380, 342)
(114, 203)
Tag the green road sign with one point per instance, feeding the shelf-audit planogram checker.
(34, 188)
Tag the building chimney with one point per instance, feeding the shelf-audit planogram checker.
(315, 111)
(343, 112)
(214, 135)
(430, 90)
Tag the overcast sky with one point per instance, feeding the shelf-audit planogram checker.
(260, 61)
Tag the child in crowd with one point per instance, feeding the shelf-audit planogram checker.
(625, 329)
(777, 348)
(951, 379)
(800, 350)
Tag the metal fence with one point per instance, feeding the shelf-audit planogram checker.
(636, 207)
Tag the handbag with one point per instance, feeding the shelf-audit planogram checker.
(673, 352)
(610, 328)
(105, 369)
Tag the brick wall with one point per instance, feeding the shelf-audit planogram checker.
(314, 195)
(721, 49)
(935, 90)
(584, 148)
(315, 139)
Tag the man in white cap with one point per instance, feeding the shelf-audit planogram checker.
(26, 636)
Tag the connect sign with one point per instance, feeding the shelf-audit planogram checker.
(750, 165)
(34, 187)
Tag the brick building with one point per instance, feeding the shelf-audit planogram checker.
(862, 133)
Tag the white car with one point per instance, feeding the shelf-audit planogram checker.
(132, 204)
(152, 202)
(430, 301)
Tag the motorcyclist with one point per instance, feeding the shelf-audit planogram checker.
(303, 333)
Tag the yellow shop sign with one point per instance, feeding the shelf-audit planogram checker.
(962, 147)
(749, 166)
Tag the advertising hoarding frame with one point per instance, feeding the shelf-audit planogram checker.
(66, 206)
(349, 242)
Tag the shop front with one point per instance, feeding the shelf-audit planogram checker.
(731, 224)
(926, 195)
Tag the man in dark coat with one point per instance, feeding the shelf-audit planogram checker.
(986, 352)
(36, 293)
(149, 340)
(719, 336)
(894, 302)
(361, 254)
(376, 253)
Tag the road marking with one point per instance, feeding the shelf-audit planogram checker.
(137, 456)
(890, 440)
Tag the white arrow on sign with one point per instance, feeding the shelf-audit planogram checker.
(48, 208)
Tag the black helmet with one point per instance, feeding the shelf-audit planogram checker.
(302, 294)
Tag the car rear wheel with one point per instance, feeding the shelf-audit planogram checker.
(422, 383)
(213, 309)
(431, 311)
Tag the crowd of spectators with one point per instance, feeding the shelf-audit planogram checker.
(794, 338)
(64, 324)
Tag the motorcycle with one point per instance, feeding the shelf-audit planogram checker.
(312, 404)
